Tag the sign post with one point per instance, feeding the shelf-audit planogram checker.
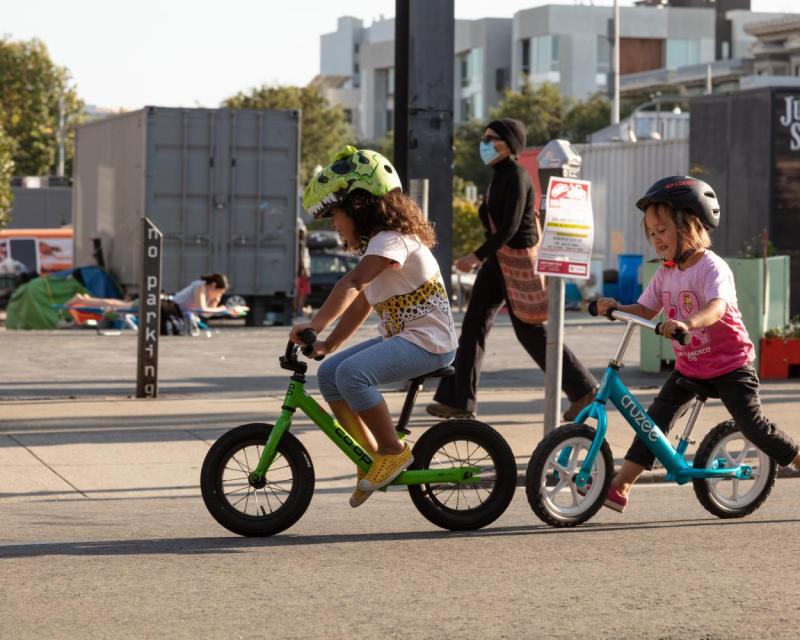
(565, 252)
(149, 311)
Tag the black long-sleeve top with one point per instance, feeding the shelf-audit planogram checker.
(511, 204)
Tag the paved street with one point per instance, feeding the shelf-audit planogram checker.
(104, 532)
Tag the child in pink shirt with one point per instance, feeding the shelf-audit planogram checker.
(695, 289)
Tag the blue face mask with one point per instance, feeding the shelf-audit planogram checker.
(488, 152)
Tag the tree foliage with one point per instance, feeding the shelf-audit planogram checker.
(6, 172)
(324, 128)
(468, 232)
(32, 91)
(546, 114)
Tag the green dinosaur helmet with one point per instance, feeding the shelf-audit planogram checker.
(351, 169)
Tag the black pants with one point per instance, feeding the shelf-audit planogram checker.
(738, 391)
(488, 294)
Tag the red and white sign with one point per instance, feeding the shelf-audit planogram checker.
(566, 248)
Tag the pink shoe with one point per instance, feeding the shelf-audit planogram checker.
(615, 500)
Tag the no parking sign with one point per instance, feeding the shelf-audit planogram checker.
(566, 248)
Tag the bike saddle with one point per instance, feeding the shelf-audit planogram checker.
(439, 373)
(701, 389)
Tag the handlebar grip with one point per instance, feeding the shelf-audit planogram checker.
(593, 310)
(680, 335)
(309, 336)
(683, 337)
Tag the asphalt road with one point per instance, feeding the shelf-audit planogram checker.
(162, 568)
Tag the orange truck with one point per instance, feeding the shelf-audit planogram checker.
(35, 250)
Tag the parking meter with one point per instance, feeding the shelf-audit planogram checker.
(558, 158)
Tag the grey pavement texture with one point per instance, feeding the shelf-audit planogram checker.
(104, 532)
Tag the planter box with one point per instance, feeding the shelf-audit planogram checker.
(758, 317)
(777, 355)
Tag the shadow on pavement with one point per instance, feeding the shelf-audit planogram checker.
(180, 546)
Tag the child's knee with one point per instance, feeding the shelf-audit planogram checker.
(349, 378)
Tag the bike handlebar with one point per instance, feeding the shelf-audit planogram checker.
(615, 314)
(309, 337)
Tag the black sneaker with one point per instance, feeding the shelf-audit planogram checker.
(577, 406)
(448, 413)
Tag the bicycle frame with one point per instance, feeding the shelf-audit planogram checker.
(612, 388)
(297, 398)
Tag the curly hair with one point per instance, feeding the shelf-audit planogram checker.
(391, 212)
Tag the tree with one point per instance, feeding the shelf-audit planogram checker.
(467, 163)
(468, 232)
(541, 110)
(587, 117)
(33, 92)
(324, 128)
(6, 171)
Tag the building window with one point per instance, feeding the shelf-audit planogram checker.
(389, 120)
(603, 55)
(682, 52)
(467, 109)
(390, 81)
(526, 57)
(544, 52)
(501, 79)
(463, 69)
(348, 115)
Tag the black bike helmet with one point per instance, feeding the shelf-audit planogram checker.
(686, 195)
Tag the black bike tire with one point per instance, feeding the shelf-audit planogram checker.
(701, 488)
(504, 463)
(536, 466)
(221, 510)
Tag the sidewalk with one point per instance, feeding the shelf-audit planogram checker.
(70, 430)
(117, 448)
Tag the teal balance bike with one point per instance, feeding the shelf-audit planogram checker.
(571, 469)
(258, 479)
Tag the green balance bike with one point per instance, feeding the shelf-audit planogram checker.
(570, 470)
(258, 479)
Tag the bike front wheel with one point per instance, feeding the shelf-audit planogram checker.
(467, 443)
(550, 479)
(726, 446)
(260, 508)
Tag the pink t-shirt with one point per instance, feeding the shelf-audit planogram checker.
(715, 350)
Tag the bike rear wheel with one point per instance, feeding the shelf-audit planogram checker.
(468, 443)
(732, 497)
(550, 478)
(260, 509)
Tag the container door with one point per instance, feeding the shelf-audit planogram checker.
(186, 189)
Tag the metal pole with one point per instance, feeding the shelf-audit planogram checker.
(554, 354)
(709, 84)
(615, 67)
(149, 311)
(418, 192)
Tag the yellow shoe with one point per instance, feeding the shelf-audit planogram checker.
(359, 497)
(384, 469)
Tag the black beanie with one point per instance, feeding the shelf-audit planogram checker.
(511, 131)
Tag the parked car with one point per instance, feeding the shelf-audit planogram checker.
(327, 268)
(329, 265)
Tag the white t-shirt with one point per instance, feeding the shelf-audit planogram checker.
(409, 296)
(185, 297)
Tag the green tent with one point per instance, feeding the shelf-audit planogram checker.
(30, 306)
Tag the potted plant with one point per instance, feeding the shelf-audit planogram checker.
(780, 350)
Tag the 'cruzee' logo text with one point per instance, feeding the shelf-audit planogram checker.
(638, 416)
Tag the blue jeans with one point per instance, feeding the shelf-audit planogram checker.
(354, 374)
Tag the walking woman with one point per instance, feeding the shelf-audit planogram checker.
(506, 275)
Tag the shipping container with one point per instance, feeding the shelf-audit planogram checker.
(620, 174)
(45, 207)
(747, 146)
(220, 184)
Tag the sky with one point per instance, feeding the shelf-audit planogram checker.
(197, 53)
